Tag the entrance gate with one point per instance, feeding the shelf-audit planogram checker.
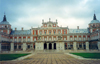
(49, 46)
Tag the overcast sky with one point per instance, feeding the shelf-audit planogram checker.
(29, 13)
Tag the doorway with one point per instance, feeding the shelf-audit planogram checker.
(45, 46)
(54, 45)
(50, 46)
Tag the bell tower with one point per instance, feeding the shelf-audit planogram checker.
(5, 27)
(94, 24)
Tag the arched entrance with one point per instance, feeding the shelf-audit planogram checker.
(50, 46)
(45, 46)
(54, 45)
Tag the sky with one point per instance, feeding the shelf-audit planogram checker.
(29, 13)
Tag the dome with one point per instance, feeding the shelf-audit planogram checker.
(4, 22)
(94, 21)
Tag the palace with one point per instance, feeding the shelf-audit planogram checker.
(50, 37)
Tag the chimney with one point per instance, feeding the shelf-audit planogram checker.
(77, 27)
(22, 28)
(15, 29)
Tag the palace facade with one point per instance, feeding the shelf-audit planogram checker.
(50, 37)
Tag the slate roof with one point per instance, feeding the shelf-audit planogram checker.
(5, 22)
(78, 31)
(94, 20)
(21, 32)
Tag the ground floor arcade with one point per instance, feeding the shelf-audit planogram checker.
(50, 46)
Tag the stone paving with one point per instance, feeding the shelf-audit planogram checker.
(51, 58)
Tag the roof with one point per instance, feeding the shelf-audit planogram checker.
(20, 32)
(4, 20)
(94, 20)
(78, 31)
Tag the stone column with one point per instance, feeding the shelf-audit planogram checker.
(98, 45)
(74, 46)
(24, 46)
(47, 46)
(87, 46)
(12, 46)
(17, 46)
(0, 46)
(52, 45)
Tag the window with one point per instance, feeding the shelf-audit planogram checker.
(40, 33)
(28, 39)
(19, 40)
(54, 38)
(71, 39)
(1, 30)
(54, 32)
(34, 39)
(75, 38)
(80, 39)
(49, 32)
(45, 39)
(15, 40)
(34, 32)
(24, 40)
(10, 39)
(59, 32)
(45, 32)
(64, 31)
(64, 38)
(84, 39)
(49, 38)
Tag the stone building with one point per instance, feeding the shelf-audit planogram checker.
(50, 37)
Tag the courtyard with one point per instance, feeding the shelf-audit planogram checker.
(51, 58)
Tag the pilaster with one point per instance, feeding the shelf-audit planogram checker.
(12, 46)
(74, 46)
(87, 46)
(0, 46)
(24, 46)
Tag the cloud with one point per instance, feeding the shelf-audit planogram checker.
(29, 13)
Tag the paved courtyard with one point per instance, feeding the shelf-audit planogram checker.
(51, 58)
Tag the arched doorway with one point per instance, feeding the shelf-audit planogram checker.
(50, 46)
(54, 45)
(45, 46)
